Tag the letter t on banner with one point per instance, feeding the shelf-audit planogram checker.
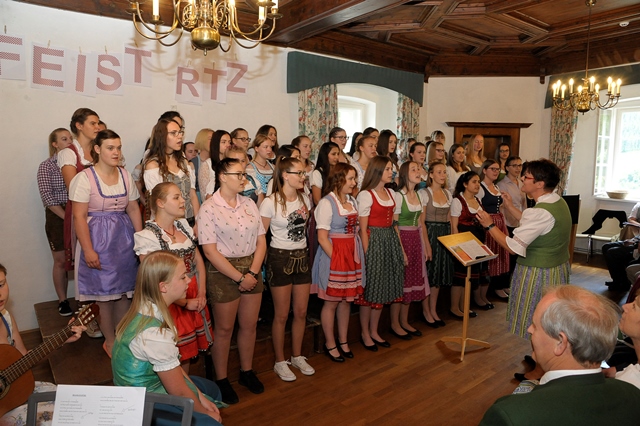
(136, 67)
(13, 64)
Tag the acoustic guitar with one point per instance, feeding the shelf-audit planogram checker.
(16, 377)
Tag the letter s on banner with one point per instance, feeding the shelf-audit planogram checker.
(13, 64)
(110, 66)
(48, 68)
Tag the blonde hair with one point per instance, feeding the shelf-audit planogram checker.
(157, 267)
(202, 139)
(53, 137)
(159, 192)
(234, 149)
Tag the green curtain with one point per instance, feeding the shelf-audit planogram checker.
(408, 123)
(562, 140)
(317, 114)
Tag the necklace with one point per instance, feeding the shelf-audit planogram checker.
(172, 235)
(264, 166)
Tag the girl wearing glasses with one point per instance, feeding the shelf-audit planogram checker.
(436, 152)
(166, 163)
(220, 143)
(106, 215)
(338, 136)
(503, 151)
(252, 188)
(383, 252)
(169, 231)
(234, 244)
(492, 201)
(240, 138)
(286, 212)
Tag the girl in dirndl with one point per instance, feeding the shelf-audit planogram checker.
(491, 199)
(337, 268)
(384, 260)
(169, 231)
(409, 214)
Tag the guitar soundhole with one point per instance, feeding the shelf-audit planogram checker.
(4, 387)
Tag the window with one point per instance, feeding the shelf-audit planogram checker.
(618, 150)
(354, 115)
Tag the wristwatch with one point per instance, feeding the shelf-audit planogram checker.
(253, 274)
(240, 280)
(487, 228)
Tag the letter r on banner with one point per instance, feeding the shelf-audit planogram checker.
(188, 86)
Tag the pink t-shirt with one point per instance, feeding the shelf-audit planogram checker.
(234, 230)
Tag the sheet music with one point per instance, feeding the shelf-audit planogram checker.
(471, 249)
(98, 405)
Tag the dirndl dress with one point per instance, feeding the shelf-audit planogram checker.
(467, 222)
(440, 267)
(384, 262)
(416, 281)
(341, 276)
(111, 233)
(491, 204)
(195, 332)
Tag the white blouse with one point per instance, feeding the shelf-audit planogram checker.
(365, 202)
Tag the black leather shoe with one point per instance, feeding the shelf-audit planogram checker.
(484, 307)
(383, 343)
(343, 352)
(429, 324)
(400, 336)
(338, 358)
(250, 380)
(416, 333)
(229, 396)
(472, 314)
(519, 376)
(441, 323)
(372, 348)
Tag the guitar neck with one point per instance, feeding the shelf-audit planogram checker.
(18, 368)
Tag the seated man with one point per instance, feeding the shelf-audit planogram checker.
(572, 331)
(618, 256)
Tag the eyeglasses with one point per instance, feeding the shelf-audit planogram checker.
(494, 169)
(240, 175)
(439, 150)
(245, 140)
(340, 137)
(514, 165)
(301, 173)
(175, 133)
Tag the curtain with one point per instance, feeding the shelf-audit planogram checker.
(317, 114)
(407, 123)
(563, 131)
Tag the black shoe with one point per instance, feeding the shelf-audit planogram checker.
(64, 309)
(250, 380)
(429, 324)
(338, 358)
(400, 336)
(372, 348)
(441, 323)
(456, 316)
(383, 343)
(519, 376)
(484, 307)
(490, 305)
(229, 396)
(343, 352)
(472, 314)
(530, 361)
(416, 333)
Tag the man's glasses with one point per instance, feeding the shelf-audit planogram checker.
(240, 175)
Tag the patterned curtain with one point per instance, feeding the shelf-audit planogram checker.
(563, 131)
(317, 114)
(408, 123)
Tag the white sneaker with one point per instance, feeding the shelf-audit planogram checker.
(300, 363)
(283, 371)
(93, 330)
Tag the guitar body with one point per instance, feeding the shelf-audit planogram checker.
(17, 392)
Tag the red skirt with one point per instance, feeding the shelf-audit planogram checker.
(499, 265)
(194, 328)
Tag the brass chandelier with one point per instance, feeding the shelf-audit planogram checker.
(206, 20)
(587, 96)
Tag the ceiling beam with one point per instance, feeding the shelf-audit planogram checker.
(506, 6)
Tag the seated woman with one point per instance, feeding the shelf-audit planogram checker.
(145, 352)
(10, 335)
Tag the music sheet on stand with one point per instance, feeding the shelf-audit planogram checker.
(473, 249)
(98, 405)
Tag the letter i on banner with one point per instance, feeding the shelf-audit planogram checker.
(188, 86)
(49, 68)
(83, 72)
(13, 61)
(109, 80)
(137, 71)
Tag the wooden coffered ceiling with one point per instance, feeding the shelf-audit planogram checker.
(445, 37)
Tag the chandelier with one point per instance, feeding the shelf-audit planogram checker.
(587, 96)
(206, 20)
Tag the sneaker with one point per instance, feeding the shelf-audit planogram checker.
(301, 364)
(93, 330)
(249, 379)
(283, 371)
(64, 309)
(229, 396)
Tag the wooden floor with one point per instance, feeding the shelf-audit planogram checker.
(421, 381)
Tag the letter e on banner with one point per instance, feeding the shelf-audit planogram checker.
(218, 85)
(188, 86)
(48, 68)
(234, 83)
(83, 72)
(13, 64)
(136, 67)
(109, 79)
